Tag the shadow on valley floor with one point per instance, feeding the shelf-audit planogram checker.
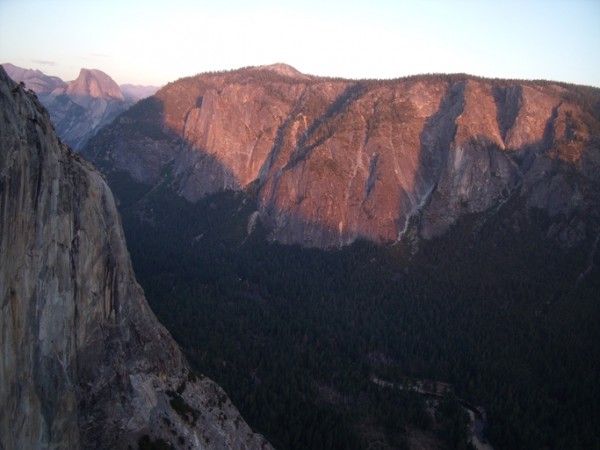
(295, 335)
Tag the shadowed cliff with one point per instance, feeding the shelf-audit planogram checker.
(83, 361)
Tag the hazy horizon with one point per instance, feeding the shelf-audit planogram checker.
(150, 43)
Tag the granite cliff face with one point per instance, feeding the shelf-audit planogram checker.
(78, 108)
(335, 160)
(83, 361)
(94, 83)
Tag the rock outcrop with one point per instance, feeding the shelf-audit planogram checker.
(335, 160)
(83, 361)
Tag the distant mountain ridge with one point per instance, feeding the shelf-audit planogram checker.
(79, 107)
(36, 80)
(332, 160)
(134, 92)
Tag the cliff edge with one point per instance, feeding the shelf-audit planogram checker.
(83, 361)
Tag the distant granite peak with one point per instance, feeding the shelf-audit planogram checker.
(285, 70)
(78, 109)
(94, 83)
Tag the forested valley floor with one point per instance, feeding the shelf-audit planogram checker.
(296, 336)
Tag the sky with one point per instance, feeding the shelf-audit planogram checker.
(153, 42)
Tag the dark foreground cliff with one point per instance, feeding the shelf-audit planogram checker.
(83, 361)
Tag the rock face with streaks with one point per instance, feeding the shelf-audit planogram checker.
(83, 361)
(332, 160)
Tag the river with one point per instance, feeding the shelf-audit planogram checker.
(442, 390)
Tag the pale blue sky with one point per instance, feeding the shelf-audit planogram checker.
(153, 42)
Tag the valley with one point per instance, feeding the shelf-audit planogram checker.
(294, 335)
(300, 236)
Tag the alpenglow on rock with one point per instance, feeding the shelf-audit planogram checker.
(83, 361)
(333, 160)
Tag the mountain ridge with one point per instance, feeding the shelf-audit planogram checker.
(337, 160)
(35, 80)
(80, 107)
(136, 92)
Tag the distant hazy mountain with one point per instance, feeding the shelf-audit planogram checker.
(37, 81)
(86, 104)
(77, 108)
(133, 92)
